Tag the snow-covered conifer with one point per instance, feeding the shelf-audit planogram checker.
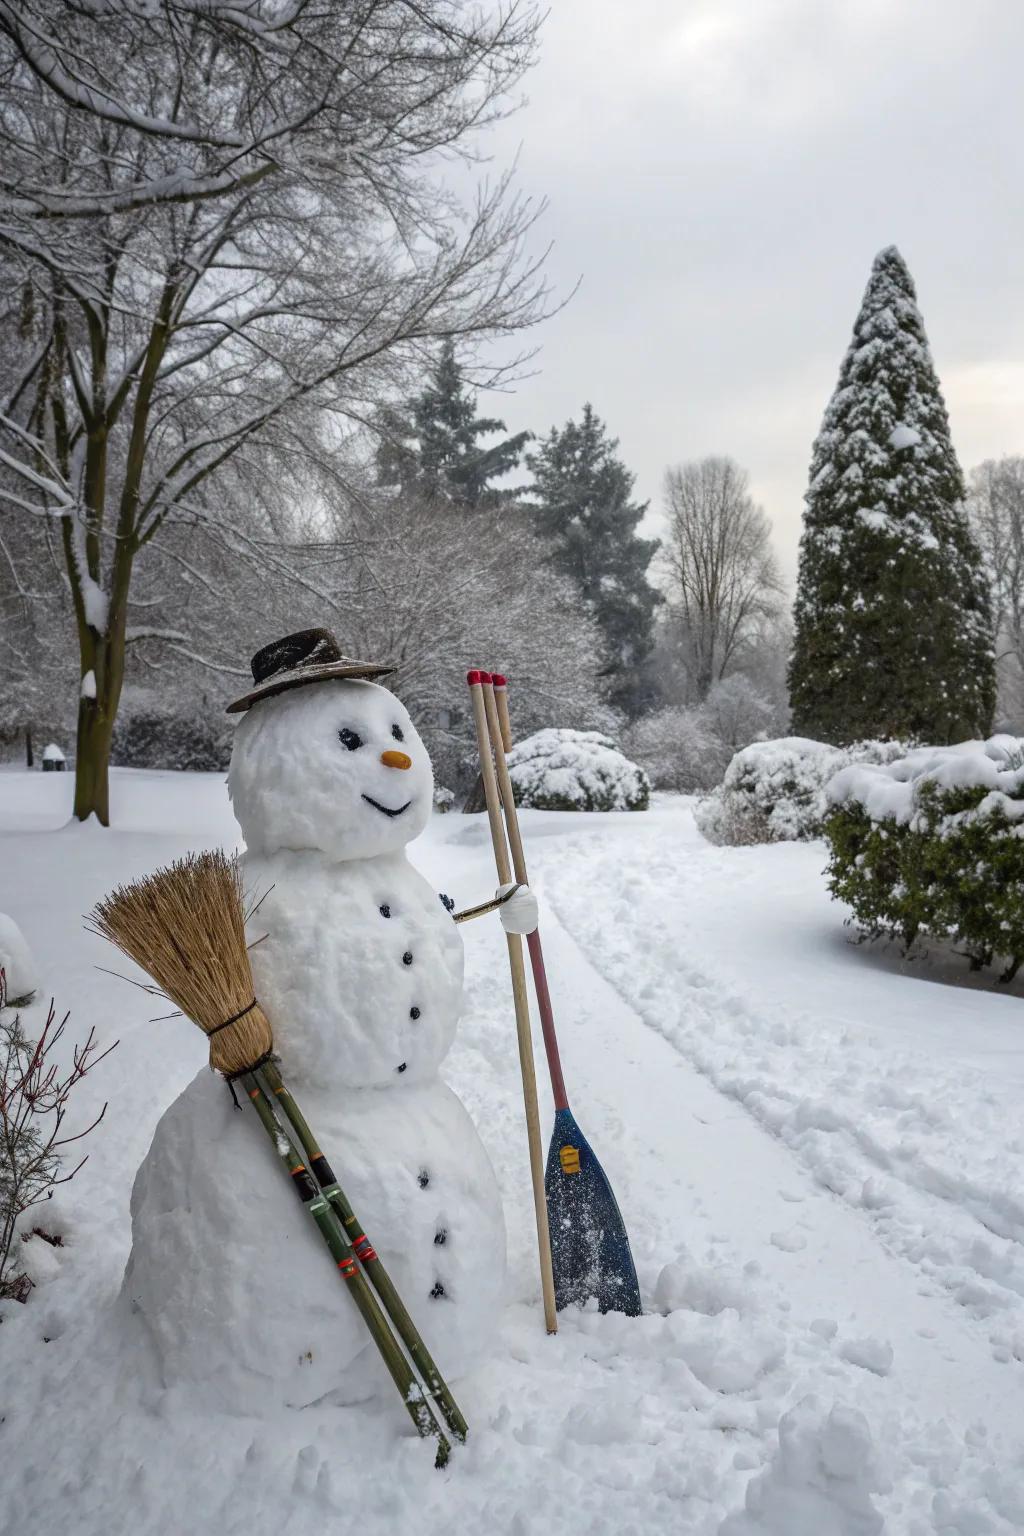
(893, 624)
(582, 501)
(437, 453)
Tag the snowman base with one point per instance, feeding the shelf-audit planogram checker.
(236, 1293)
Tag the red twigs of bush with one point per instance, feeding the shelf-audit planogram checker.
(35, 1092)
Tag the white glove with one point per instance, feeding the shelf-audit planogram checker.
(520, 913)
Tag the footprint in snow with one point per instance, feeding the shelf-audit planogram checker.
(790, 1242)
(870, 1354)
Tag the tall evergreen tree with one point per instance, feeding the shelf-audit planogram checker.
(434, 450)
(582, 503)
(893, 622)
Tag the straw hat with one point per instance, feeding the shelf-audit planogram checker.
(309, 656)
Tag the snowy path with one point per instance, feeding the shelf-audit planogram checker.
(695, 1156)
(710, 1014)
(927, 1147)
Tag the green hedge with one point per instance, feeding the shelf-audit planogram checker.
(936, 851)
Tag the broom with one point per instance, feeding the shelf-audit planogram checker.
(185, 926)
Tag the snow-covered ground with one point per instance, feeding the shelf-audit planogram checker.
(819, 1151)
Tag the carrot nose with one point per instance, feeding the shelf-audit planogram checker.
(395, 760)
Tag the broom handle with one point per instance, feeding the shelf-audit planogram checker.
(377, 1275)
(522, 1006)
(305, 1186)
(496, 703)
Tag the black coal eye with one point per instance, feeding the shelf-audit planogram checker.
(397, 733)
(349, 739)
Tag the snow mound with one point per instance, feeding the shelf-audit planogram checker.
(16, 961)
(892, 791)
(820, 1482)
(566, 770)
(774, 791)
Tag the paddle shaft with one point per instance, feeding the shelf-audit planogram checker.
(365, 1252)
(341, 1252)
(496, 706)
(522, 1007)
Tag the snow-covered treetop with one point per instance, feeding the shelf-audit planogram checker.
(885, 438)
(890, 791)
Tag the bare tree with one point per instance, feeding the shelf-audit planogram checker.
(995, 499)
(221, 226)
(435, 594)
(721, 575)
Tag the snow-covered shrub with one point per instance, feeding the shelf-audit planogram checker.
(444, 799)
(16, 963)
(151, 738)
(678, 749)
(774, 791)
(563, 770)
(931, 845)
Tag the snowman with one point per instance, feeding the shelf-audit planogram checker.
(357, 963)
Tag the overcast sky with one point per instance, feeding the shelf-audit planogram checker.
(720, 174)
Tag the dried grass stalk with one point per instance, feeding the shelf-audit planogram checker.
(185, 926)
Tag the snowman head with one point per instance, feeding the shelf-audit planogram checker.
(335, 766)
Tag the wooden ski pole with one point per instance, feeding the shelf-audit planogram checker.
(500, 728)
(520, 996)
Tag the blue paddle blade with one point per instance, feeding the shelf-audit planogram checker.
(589, 1244)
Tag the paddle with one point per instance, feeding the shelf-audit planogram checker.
(590, 1250)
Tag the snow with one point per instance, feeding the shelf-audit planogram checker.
(52, 753)
(565, 769)
(820, 1483)
(890, 791)
(20, 976)
(740, 1069)
(903, 436)
(88, 688)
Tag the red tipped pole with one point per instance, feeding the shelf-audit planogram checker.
(479, 688)
(501, 730)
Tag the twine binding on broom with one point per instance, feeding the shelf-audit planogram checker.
(233, 1019)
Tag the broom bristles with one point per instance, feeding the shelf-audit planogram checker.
(185, 926)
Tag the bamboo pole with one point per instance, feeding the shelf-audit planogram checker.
(365, 1252)
(522, 1006)
(416, 1403)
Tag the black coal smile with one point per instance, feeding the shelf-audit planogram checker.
(378, 807)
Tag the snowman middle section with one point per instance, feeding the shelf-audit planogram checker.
(358, 965)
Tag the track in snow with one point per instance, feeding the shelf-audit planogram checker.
(850, 1121)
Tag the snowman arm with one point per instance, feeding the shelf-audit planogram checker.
(505, 895)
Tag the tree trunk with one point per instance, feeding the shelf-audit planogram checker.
(476, 800)
(30, 761)
(103, 655)
(92, 762)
